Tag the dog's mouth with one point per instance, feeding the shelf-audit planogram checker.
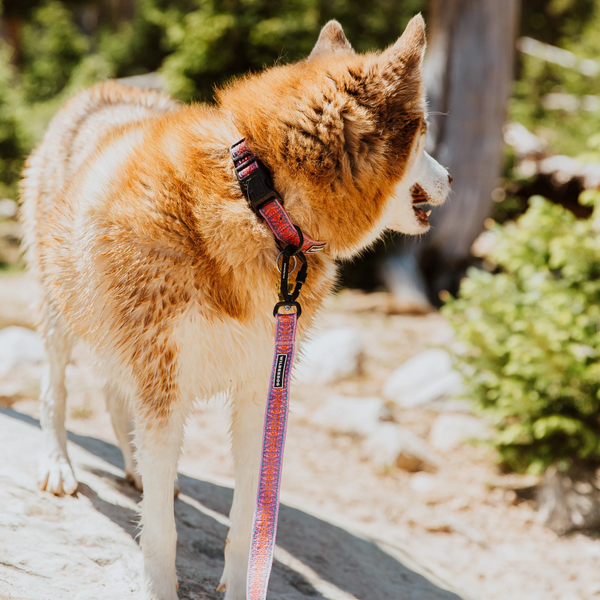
(419, 197)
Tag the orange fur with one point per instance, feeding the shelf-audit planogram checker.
(170, 227)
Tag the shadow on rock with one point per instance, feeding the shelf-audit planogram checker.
(354, 565)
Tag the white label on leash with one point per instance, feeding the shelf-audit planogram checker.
(280, 364)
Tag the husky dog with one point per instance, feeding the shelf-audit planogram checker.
(146, 249)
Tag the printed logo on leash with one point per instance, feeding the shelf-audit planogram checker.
(280, 370)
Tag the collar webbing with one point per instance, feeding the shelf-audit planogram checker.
(257, 185)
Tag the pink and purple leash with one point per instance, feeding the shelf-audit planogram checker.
(264, 527)
(257, 185)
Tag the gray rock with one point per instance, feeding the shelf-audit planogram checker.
(450, 430)
(423, 379)
(330, 356)
(19, 346)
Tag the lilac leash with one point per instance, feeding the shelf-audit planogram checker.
(264, 526)
(257, 185)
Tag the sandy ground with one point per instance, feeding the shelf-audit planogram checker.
(463, 526)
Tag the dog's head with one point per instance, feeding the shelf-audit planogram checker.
(343, 135)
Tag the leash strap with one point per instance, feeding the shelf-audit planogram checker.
(257, 185)
(264, 527)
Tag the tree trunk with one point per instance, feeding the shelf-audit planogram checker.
(468, 76)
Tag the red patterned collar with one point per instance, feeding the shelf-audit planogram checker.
(257, 185)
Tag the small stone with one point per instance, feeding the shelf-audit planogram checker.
(422, 483)
(331, 356)
(348, 415)
(390, 445)
(423, 379)
(450, 430)
(19, 346)
(8, 208)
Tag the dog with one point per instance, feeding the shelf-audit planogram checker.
(146, 249)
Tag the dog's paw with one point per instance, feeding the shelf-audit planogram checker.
(57, 477)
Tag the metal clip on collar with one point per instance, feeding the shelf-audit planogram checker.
(287, 297)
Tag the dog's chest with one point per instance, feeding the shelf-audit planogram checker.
(222, 354)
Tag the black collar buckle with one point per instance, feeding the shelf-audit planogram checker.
(253, 176)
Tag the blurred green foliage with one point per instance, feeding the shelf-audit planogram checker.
(530, 336)
(573, 25)
(50, 50)
(198, 44)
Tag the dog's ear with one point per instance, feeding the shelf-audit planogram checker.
(399, 74)
(331, 41)
(405, 57)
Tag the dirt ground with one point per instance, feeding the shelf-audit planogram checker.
(465, 522)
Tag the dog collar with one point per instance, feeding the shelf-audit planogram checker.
(257, 185)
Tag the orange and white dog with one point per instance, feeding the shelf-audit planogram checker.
(146, 249)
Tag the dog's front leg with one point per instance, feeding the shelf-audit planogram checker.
(247, 428)
(158, 442)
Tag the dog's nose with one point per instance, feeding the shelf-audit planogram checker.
(450, 178)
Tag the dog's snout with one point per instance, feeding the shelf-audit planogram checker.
(450, 179)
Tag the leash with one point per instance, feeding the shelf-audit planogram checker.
(257, 185)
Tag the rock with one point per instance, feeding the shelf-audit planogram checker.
(84, 547)
(19, 346)
(450, 430)
(147, 81)
(8, 208)
(390, 445)
(570, 500)
(19, 294)
(423, 379)
(449, 405)
(423, 483)
(330, 356)
(403, 277)
(343, 414)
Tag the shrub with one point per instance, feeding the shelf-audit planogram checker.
(14, 141)
(52, 46)
(529, 332)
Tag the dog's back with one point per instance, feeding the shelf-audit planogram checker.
(72, 138)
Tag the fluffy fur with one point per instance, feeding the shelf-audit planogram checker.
(146, 249)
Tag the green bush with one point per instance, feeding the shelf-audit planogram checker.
(530, 339)
(52, 46)
(14, 139)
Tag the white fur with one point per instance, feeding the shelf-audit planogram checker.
(431, 176)
(56, 474)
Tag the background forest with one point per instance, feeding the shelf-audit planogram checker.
(52, 48)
